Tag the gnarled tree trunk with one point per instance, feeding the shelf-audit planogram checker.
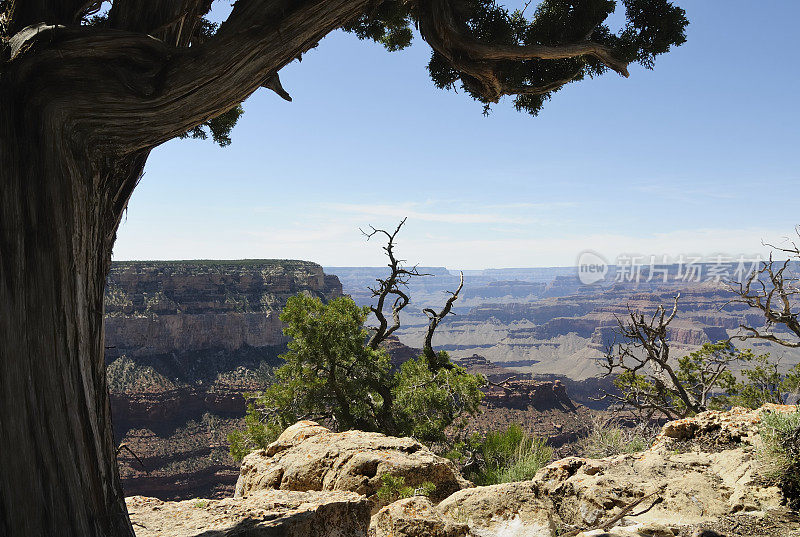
(59, 210)
(80, 110)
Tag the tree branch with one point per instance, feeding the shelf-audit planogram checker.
(129, 92)
(434, 319)
(31, 12)
(773, 293)
(442, 29)
(172, 21)
(651, 336)
(398, 277)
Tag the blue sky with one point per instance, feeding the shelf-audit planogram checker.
(698, 156)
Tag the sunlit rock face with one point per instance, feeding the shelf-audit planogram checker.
(308, 456)
(700, 473)
(701, 476)
(265, 514)
(178, 307)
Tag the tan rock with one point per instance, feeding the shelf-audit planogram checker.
(300, 431)
(702, 468)
(699, 470)
(508, 510)
(310, 457)
(263, 514)
(634, 530)
(699, 473)
(735, 425)
(414, 517)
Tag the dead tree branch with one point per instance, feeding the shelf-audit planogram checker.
(773, 290)
(124, 446)
(607, 524)
(434, 319)
(390, 287)
(645, 353)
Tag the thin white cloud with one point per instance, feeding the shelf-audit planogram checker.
(410, 211)
(564, 250)
(335, 241)
(543, 206)
(679, 191)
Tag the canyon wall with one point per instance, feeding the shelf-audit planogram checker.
(185, 341)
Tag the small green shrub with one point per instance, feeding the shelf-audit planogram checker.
(763, 382)
(394, 488)
(780, 453)
(504, 456)
(200, 504)
(127, 374)
(608, 439)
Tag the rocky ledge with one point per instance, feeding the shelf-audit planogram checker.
(308, 456)
(524, 394)
(700, 477)
(268, 513)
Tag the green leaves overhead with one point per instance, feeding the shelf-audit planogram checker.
(651, 28)
(479, 46)
(219, 127)
(389, 24)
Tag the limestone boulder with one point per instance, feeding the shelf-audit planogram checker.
(414, 517)
(508, 510)
(266, 513)
(308, 456)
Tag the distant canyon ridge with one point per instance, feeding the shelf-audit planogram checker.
(545, 321)
(186, 340)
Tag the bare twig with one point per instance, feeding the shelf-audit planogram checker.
(129, 450)
(435, 318)
(773, 290)
(616, 518)
(391, 286)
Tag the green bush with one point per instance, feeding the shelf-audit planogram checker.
(502, 456)
(394, 488)
(427, 402)
(331, 375)
(698, 381)
(780, 453)
(714, 377)
(608, 439)
(762, 382)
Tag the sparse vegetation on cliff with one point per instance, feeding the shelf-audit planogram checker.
(607, 438)
(502, 456)
(763, 382)
(652, 382)
(780, 454)
(125, 374)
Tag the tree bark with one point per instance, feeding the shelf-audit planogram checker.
(59, 210)
(80, 110)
